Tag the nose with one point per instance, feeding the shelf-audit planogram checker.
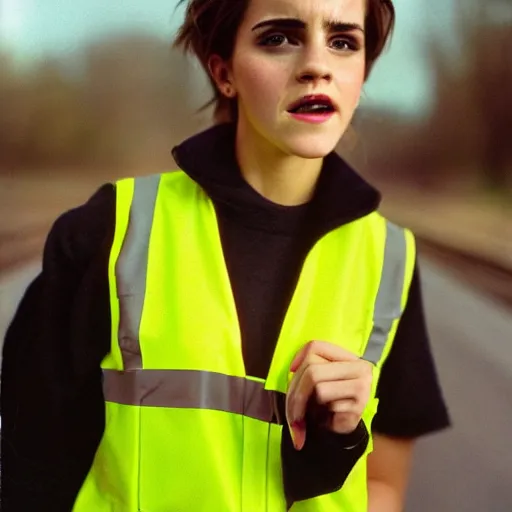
(314, 65)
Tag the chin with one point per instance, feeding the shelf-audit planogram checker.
(312, 146)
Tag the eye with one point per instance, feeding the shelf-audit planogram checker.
(276, 39)
(345, 44)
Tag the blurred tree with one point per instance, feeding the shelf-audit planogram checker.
(137, 91)
(469, 127)
(55, 125)
(491, 73)
(122, 104)
(464, 141)
(15, 112)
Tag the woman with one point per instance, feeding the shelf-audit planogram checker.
(219, 338)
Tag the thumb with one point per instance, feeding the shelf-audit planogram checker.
(298, 433)
(296, 427)
(299, 358)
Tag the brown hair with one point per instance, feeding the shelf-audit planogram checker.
(211, 26)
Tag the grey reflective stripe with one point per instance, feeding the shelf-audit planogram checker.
(131, 269)
(192, 389)
(388, 305)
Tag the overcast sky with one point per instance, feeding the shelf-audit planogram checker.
(401, 80)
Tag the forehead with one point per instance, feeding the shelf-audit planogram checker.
(307, 10)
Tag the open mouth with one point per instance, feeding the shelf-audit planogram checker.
(312, 104)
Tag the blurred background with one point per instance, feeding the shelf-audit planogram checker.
(91, 91)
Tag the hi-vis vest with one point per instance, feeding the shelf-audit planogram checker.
(186, 428)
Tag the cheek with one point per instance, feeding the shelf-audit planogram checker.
(350, 82)
(259, 81)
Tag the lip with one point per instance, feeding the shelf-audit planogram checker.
(312, 118)
(312, 97)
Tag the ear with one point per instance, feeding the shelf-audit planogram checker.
(220, 71)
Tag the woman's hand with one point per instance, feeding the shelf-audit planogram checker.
(335, 379)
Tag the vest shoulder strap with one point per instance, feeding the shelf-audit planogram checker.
(398, 264)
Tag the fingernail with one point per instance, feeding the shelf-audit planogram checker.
(298, 433)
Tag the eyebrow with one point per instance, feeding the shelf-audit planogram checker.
(331, 26)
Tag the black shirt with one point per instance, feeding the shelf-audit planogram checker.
(52, 404)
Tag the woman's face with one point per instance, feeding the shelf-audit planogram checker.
(298, 68)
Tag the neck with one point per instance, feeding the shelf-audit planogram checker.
(284, 179)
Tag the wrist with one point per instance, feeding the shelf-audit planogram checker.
(336, 441)
(353, 439)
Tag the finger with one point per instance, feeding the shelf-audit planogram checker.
(310, 360)
(347, 405)
(344, 423)
(328, 351)
(345, 370)
(301, 387)
(332, 391)
(295, 415)
(326, 381)
(305, 352)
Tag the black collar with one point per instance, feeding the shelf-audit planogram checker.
(341, 195)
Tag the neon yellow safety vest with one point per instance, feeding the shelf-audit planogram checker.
(186, 428)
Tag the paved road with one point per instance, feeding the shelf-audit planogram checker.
(469, 468)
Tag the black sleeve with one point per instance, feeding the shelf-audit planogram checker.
(411, 402)
(51, 400)
(323, 464)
